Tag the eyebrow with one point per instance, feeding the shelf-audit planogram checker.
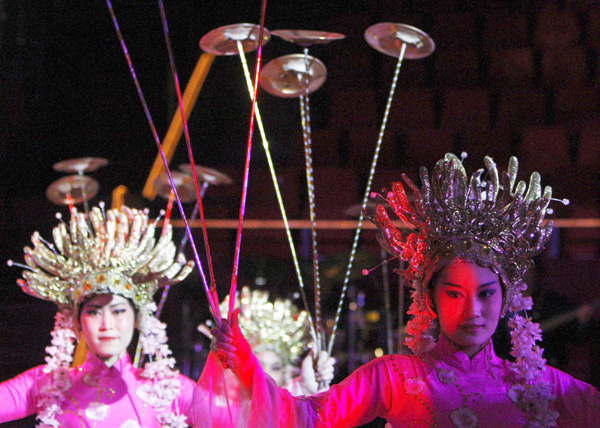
(485, 284)
(91, 305)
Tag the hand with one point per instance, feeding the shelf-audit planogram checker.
(228, 343)
(316, 374)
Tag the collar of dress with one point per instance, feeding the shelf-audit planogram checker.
(445, 351)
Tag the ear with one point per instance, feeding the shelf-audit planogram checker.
(430, 306)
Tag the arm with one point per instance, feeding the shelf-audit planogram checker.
(360, 398)
(577, 402)
(315, 375)
(19, 395)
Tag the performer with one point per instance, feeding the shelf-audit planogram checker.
(102, 274)
(279, 334)
(470, 244)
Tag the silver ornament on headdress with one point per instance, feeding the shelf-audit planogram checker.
(116, 253)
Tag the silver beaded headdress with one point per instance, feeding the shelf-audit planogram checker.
(116, 253)
(489, 218)
(277, 325)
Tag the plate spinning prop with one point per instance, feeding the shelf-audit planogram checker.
(184, 183)
(75, 188)
(238, 39)
(296, 76)
(401, 41)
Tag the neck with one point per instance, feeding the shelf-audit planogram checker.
(469, 351)
(111, 359)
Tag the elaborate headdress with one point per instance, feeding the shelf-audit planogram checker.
(488, 218)
(279, 325)
(113, 253)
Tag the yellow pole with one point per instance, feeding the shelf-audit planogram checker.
(81, 351)
(118, 197)
(173, 136)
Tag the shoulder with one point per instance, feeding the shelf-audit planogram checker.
(577, 402)
(35, 374)
(558, 377)
(390, 364)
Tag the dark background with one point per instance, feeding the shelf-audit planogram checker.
(507, 78)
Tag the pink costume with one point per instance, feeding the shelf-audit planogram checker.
(99, 396)
(441, 388)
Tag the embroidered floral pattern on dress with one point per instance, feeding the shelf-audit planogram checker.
(414, 386)
(446, 376)
(97, 411)
(130, 424)
(464, 418)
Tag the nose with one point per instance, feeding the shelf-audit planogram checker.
(107, 321)
(472, 307)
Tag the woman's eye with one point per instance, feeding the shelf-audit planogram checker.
(487, 293)
(453, 294)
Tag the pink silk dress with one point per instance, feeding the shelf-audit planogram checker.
(442, 388)
(99, 396)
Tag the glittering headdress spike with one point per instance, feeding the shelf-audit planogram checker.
(278, 325)
(113, 253)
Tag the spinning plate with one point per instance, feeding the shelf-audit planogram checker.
(286, 75)
(223, 40)
(206, 175)
(80, 165)
(307, 37)
(183, 182)
(72, 189)
(387, 38)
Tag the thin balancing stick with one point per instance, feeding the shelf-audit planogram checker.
(213, 287)
(288, 232)
(214, 305)
(238, 242)
(366, 196)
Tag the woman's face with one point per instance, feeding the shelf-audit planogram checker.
(107, 324)
(468, 302)
(272, 364)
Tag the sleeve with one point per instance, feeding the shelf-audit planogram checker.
(19, 395)
(577, 402)
(223, 400)
(185, 399)
(357, 400)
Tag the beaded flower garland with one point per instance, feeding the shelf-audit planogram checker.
(488, 218)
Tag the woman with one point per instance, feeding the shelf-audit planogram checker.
(102, 274)
(470, 244)
(279, 333)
